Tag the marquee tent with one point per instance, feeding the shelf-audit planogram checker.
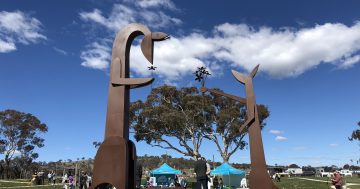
(230, 175)
(164, 174)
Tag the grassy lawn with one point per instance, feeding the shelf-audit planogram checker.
(298, 183)
(23, 184)
(36, 187)
(286, 183)
(294, 183)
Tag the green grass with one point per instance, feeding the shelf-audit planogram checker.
(24, 184)
(298, 183)
(286, 183)
(38, 187)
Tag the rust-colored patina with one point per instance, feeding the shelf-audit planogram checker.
(259, 177)
(116, 157)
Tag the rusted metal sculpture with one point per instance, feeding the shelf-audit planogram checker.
(259, 177)
(116, 157)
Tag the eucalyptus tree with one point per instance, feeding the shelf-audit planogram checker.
(228, 117)
(355, 134)
(20, 134)
(171, 118)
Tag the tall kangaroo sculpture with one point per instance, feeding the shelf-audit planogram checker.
(259, 177)
(116, 157)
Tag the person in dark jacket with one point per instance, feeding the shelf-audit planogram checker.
(83, 179)
(138, 174)
(215, 182)
(201, 177)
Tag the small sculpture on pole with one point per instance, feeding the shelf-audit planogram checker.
(116, 157)
(259, 177)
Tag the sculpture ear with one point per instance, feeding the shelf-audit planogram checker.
(147, 45)
(159, 36)
(240, 77)
(254, 71)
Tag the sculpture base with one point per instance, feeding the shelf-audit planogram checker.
(261, 180)
(115, 164)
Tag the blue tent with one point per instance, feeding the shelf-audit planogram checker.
(164, 175)
(226, 169)
(230, 175)
(165, 169)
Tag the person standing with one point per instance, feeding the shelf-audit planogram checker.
(71, 182)
(201, 176)
(53, 177)
(277, 177)
(337, 180)
(83, 180)
(243, 183)
(215, 182)
(138, 174)
(221, 183)
(49, 177)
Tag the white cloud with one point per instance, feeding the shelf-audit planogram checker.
(97, 56)
(276, 132)
(17, 27)
(174, 58)
(122, 14)
(350, 61)
(156, 3)
(7, 46)
(333, 145)
(60, 51)
(119, 17)
(280, 138)
(287, 52)
(284, 52)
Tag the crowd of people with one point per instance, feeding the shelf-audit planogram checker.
(176, 182)
(38, 178)
(201, 169)
(84, 182)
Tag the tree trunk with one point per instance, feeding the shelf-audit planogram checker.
(225, 157)
(7, 167)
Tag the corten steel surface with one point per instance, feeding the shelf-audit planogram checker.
(116, 157)
(259, 177)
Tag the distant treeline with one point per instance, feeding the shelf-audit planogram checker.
(19, 168)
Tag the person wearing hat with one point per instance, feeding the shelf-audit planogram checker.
(337, 180)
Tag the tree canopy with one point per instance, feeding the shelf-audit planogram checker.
(171, 113)
(293, 166)
(355, 134)
(229, 115)
(19, 135)
(189, 116)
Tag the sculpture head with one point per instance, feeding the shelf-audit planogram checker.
(147, 44)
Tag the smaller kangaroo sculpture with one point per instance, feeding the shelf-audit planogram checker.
(116, 157)
(259, 177)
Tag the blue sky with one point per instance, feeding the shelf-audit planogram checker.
(54, 59)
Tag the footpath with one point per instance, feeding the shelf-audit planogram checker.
(347, 184)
